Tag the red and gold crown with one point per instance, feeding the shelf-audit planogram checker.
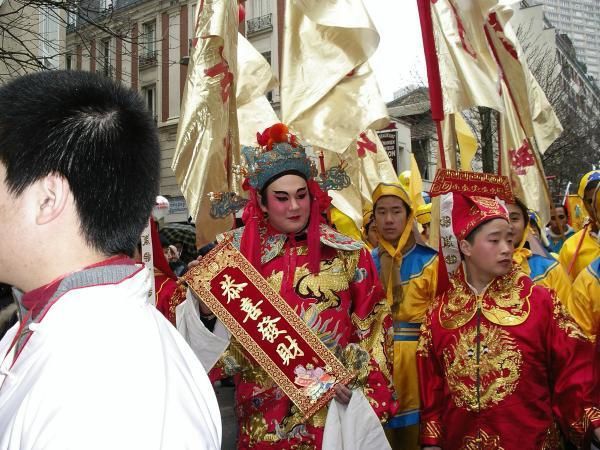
(468, 199)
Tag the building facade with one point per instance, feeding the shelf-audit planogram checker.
(145, 45)
(555, 62)
(580, 20)
(30, 38)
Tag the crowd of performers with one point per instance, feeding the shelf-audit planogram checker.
(500, 354)
(465, 361)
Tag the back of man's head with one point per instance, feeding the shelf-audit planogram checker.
(95, 134)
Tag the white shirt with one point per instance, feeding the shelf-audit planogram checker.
(104, 370)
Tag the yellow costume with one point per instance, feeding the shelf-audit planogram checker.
(584, 305)
(423, 214)
(543, 271)
(410, 282)
(589, 249)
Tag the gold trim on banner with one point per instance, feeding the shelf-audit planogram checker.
(226, 256)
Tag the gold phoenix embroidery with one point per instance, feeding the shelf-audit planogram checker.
(379, 342)
(506, 301)
(499, 367)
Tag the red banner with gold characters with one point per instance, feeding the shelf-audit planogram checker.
(268, 328)
(471, 183)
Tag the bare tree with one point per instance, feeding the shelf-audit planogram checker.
(32, 32)
(578, 147)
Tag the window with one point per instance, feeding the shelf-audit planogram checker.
(149, 95)
(48, 26)
(149, 39)
(71, 19)
(105, 5)
(105, 66)
(260, 17)
(192, 20)
(267, 56)
(147, 57)
(261, 8)
(69, 61)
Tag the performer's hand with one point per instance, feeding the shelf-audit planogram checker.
(204, 310)
(194, 262)
(342, 393)
(432, 448)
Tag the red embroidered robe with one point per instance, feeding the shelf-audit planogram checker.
(345, 307)
(168, 295)
(497, 369)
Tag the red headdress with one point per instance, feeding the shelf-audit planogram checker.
(279, 153)
(468, 199)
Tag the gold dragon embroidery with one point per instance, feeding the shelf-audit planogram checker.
(497, 372)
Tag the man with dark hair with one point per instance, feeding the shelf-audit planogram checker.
(559, 229)
(91, 364)
(583, 247)
(501, 362)
(408, 271)
(542, 270)
(584, 304)
(369, 230)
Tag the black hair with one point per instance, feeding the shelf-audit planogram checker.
(369, 224)
(470, 238)
(96, 134)
(591, 185)
(524, 211)
(164, 242)
(263, 197)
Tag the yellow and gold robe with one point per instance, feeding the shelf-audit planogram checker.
(418, 274)
(590, 250)
(584, 305)
(546, 272)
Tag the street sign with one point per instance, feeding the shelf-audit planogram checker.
(389, 139)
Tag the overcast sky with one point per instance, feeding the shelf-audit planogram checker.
(399, 60)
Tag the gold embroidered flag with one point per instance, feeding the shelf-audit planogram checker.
(367, 164)
(469, 74)
(527, 115)
(255, 79)
(329, 94)
(268, 328)
(521, 163)
(534, 112)
(207, 144)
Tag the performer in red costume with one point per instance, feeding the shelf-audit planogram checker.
(330, 281)
(169, 294)
(501, 362)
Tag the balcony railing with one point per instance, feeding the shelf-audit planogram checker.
(147, 59)
(260, 24)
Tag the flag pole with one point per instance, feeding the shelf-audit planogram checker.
(433, 73)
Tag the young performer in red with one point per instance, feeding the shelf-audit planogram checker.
(329, 280)
(501, 362)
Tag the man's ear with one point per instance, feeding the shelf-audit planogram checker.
(52, 193)
(263, 208)
(465, 247)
